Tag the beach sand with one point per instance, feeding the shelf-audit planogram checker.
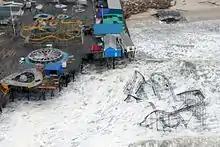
(192, 10)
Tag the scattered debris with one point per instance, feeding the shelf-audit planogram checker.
(168, 16)
(39, 7)
(210, 2)
(60, 6)
(138, 6)
(191, 141)
(187, 69)
(184, 45)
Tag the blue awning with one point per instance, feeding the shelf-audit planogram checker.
(112, 52)
(103, 11)
(54, 66)
(102, 29)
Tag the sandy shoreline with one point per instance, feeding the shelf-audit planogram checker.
(192, 10)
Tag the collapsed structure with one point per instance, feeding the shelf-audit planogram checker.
(187, 105)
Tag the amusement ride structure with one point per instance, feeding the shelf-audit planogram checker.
(47, 69)
(182, 108)
(45, 55)
(47, 27)
(46, 72)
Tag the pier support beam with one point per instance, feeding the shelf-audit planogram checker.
(113, 63)
(28, 94)
(52, 93)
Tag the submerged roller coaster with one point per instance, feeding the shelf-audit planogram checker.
(190, 104)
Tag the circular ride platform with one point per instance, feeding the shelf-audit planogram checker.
(45, 56)
(43, 16)
(63, 17)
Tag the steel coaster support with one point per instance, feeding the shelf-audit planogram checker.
(139, 84)
(28, 94)
(168, 85)
(44, 95)
(12, 97)
(113, 63)
(52, 93)
(60, 86)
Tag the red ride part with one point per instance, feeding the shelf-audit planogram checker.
(95, 48)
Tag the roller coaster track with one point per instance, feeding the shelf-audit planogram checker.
(78, 22)
(136, 80)
(156, 85)
(168, 119)
(52, 37)
(36, 38)
(33, 27)
(192, 101)
(135, 85)
(67, 30)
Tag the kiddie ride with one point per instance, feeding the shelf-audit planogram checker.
(46, 27)
(48, 71)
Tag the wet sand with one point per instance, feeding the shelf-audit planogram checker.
(192, 10)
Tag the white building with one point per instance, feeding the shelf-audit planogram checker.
(126, 42)
(114, 4)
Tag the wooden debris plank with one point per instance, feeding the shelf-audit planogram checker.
(48, 87)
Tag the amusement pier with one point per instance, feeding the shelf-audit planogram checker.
(44, 44)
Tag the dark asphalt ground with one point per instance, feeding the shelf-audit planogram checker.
(12, 50)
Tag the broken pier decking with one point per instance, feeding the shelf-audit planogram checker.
(41, 90)
(50, 85)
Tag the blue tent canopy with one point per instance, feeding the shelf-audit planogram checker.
(104, 11)
(53, 67)
(112, 52)
(102, 29)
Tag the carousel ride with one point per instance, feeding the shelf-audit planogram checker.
(46, 74)
(27, 78)
(46, 55)
(47, 27)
